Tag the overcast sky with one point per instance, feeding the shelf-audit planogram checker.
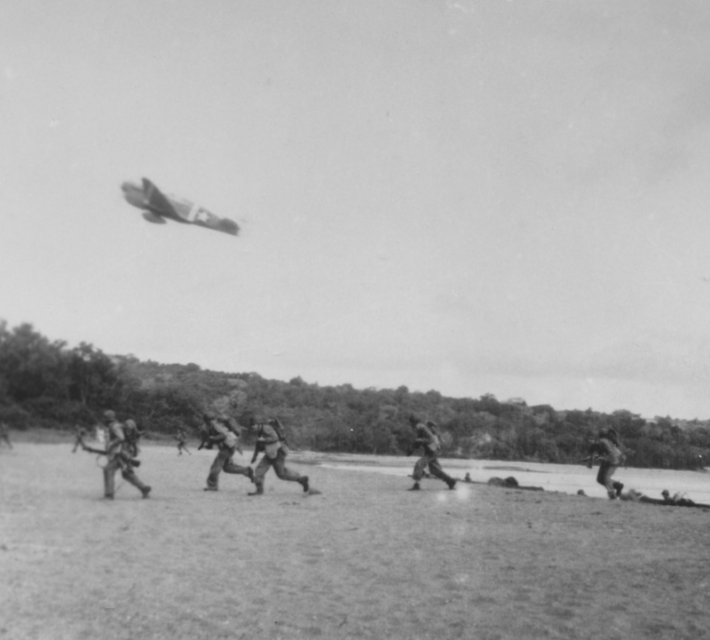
(472, 197)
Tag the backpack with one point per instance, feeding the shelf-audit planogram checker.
(278, 427)
(435, 430)
(232, 425)
(132, 435)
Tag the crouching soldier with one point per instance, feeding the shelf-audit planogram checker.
(270, 439)
(428, 438)
(225, 434)
(121, 454)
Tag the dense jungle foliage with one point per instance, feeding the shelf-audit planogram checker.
(48, 384)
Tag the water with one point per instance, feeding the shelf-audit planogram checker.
(559, 477)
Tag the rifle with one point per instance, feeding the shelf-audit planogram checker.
(127, 459)
(414, 447)
(205, 442)
(258, 448)
(590, 460)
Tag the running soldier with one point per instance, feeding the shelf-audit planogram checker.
(270, 439)
(79, 435)
(225, 434)
(121, 454)
(181, 438)
(427, 436)
(606, 448)
(5, 434)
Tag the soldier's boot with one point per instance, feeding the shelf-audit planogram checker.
(250, 474)
(451, 482)
(109, 496)
(258, 492)
(208, 488)
(415, 487)
(304, 483)
(619, 488)
(146, 491)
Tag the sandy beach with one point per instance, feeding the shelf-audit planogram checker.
(363, 559)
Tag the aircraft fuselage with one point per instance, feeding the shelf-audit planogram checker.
(157, 206)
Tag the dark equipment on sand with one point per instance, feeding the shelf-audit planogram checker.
(510, 483)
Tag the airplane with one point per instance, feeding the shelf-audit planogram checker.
(159, 206)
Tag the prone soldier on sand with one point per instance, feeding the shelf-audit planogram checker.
(121, 454)
(270, 439)
(607, 450)
(427, 436)
(225, 434)
(676, 499)
(5, 434)
(181, 438)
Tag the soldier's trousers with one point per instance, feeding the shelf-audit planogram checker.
(279, 465)
(434, 468)
(126, 471)
(607, 470)
(223, 462)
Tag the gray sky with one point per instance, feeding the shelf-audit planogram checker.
(473, 197)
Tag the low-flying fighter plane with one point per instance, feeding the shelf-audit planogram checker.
(158, 206)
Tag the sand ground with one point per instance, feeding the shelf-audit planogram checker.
(364, 559)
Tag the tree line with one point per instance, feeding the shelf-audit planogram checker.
(46, 383)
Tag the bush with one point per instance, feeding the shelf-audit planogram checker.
(15, 417)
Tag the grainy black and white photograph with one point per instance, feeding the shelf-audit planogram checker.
(369, 319)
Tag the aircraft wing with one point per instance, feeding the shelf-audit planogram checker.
(156, 200)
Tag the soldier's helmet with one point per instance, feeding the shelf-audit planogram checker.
(131, 424)
(109, 415)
